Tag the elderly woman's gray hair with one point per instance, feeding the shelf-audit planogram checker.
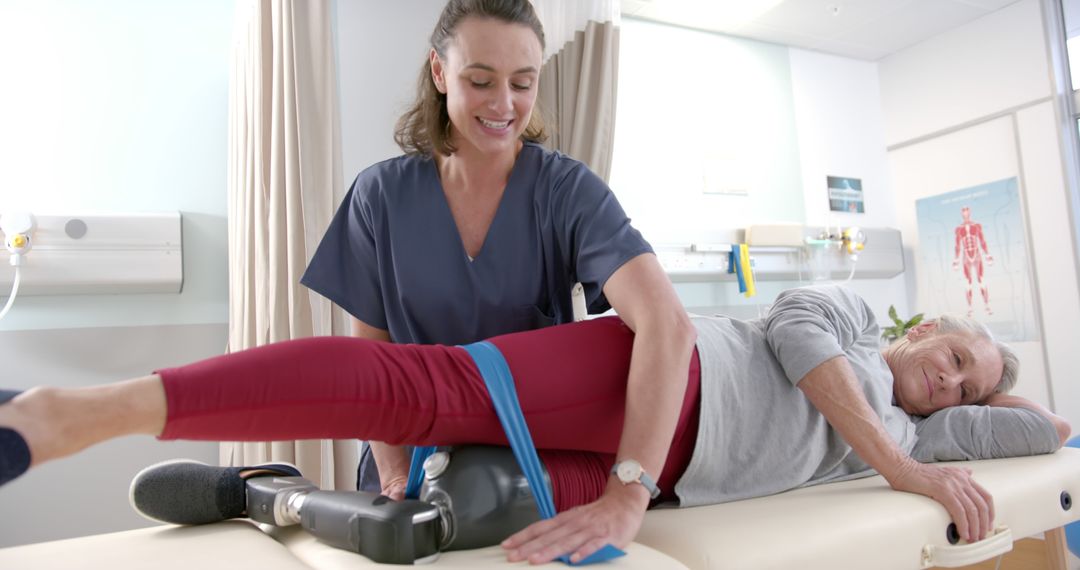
(1010, 371)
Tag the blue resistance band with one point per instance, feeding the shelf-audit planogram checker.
(735, 265)
(500, 384)
(416, 471)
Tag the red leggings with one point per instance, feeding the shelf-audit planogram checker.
(570, 380)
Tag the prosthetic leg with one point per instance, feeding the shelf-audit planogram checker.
(472, 497)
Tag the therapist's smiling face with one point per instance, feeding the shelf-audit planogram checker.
(933, 370)
(489, 73)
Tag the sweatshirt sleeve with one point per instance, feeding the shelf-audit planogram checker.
(810, 325)
(963, 433)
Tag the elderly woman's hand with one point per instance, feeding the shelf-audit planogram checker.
(968, 503)
(612, 519)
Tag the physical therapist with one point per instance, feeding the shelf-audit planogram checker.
(478, 230)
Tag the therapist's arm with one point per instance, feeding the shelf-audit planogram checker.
(664, 340)
(834, 390)
(392, 460)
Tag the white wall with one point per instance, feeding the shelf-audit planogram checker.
(119, 106)
(990, 65)
(88, 493)
(969, 107)
(381, 47)
(840, 128)
(700, 113)
(112, 106)
(705, 133)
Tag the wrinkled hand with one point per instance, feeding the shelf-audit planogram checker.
(393, 486)
(612, 519)
(968, 503)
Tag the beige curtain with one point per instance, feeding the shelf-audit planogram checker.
(284, 183)
(578, 84)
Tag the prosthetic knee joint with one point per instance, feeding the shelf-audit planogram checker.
(472, 497)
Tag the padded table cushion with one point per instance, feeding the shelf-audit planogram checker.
(318, 555)
(855, 524)
(860, 523)
(243, 544)
(229, 544)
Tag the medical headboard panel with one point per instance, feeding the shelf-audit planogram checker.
(795, 253)
(99, 253)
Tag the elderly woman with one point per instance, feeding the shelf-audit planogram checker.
(802, 397)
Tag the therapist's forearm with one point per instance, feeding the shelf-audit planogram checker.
(664, 340)
(392, 461)
(834, 390)
(655, 390)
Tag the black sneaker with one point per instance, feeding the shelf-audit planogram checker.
(183, 491)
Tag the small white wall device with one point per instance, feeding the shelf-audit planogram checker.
(18, 227)
(92, 253)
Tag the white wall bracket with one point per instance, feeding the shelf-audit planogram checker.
(101, 254)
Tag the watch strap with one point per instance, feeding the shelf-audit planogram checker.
(654, 490)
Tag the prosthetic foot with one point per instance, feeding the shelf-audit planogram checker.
(384, 530)
(471, 497)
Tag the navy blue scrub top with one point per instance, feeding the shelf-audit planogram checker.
(393, 258)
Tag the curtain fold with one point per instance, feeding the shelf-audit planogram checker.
(578, 84)
(284, 179)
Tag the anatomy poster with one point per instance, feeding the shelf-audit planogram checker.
(974, 258)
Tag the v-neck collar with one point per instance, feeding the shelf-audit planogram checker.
(506, 195)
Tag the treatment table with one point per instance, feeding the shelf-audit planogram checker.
(856, 524)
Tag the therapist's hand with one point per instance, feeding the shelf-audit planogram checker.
(393, 463)
(612, 519)
(969, 504)
(394, 486)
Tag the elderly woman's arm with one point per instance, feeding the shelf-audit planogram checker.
(663, 343)
(834, 390)
(1009, 401)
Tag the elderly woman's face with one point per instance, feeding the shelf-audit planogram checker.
(933, 370)
(489, 74)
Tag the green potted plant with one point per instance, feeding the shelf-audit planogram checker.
(900, 326)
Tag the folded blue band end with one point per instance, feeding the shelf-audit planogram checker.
(608, 552)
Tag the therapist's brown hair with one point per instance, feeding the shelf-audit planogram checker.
(425, 127)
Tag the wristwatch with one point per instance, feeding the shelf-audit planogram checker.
(630, 471)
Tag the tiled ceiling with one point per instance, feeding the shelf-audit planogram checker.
(861, 29)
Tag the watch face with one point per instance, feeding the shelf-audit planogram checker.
(629, 470)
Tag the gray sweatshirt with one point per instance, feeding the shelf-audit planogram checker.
(759, 434)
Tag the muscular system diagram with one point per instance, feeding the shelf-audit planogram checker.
(971, 252)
